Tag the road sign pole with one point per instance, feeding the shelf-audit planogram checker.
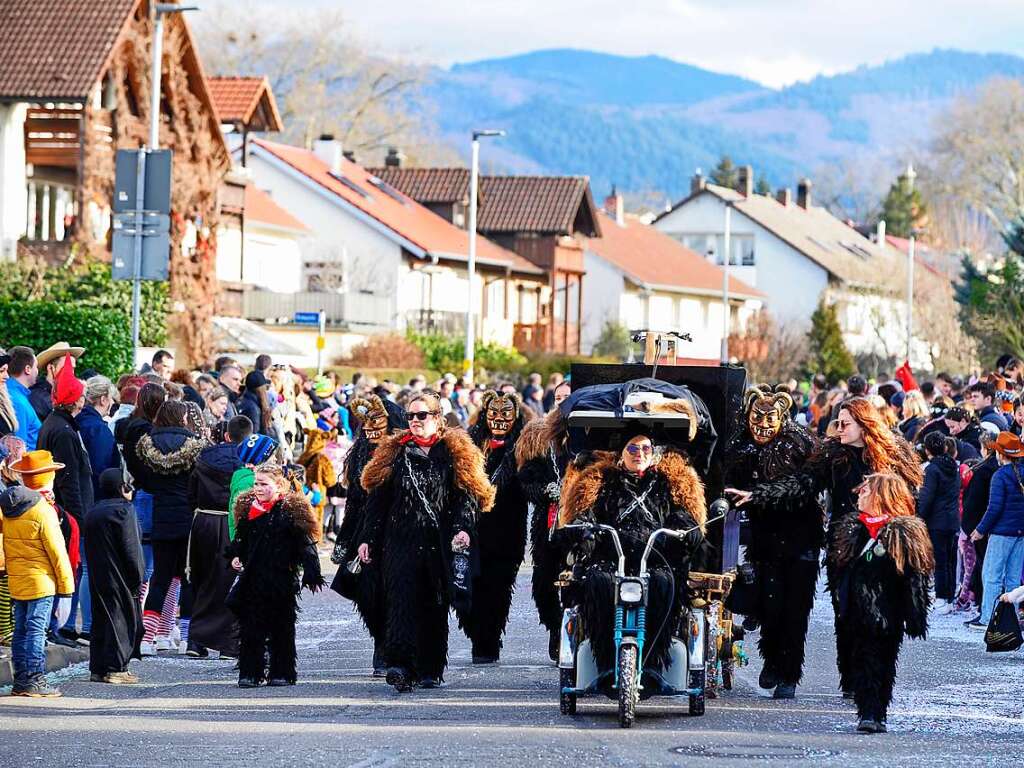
(140, 197)
(321, 341)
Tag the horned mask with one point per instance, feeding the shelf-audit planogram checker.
(500, 412)
(373, 416)
(766, 412)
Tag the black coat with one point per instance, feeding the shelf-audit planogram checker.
(127, 433)
(209, 486)
(73, 485)
(939, 502)
(40, 397)
(169, 455)
(116, 571)
(249, 405)
(976, 494)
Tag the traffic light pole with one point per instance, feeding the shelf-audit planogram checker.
(140, 202)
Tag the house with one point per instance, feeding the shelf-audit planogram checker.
(376, 260)
(545, 219)
(74, 88)
(644, 279)
(796, 253)
(244, 105)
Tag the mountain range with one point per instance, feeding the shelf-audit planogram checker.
(644, 124)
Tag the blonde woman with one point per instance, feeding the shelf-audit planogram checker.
(915, 414)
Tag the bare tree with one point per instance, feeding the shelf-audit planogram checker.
(773, 352)
(853, 188)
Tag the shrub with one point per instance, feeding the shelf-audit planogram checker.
(614, 341)
(39, 324)
(388, 350)
(446, 354)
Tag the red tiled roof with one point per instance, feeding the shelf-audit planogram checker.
(398, 212)
(428, 185)
(653, 258)
(236, 100)
(57, 49)
(259, 206)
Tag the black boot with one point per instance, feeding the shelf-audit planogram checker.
(870, 725)
(400, 679)
(380, 669)
(554, 644)
(768, 679)
(785, 691)
(248, 682)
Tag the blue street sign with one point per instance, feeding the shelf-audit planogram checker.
(306, 318)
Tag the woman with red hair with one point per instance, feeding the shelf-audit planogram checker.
(860, 443)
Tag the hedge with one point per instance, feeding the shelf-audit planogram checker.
(105, 333)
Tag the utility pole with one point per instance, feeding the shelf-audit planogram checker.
(911, 175)
(725, 283)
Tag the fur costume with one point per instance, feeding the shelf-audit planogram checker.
(881, 593)
(273, 547)
(669, 494)
(411, 541)
(501, 534)
(541, 460)
(786, 538)
(320, 472)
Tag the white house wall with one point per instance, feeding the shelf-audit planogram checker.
(13, 194)
(602, 292)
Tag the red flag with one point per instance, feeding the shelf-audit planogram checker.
(905, 377)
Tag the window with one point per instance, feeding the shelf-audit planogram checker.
(388, 190)
(711, 245)
(51, 211)
(351, 185)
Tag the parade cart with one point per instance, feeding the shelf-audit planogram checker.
(606, 403)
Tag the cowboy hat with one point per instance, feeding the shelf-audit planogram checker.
(1009, 445)
(55, 351)
(36, 462)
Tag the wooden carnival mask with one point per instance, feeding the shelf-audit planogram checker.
(766, 412)
(373, 416)
(500, 412)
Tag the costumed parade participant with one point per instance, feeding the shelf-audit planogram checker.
(359, 582)
(117, 569)
(320, 472)
(501, 533)
(637, 493)
(786, 538)
(882, 562)
(542, 458)
(863, 445)
(426, 488)
(275, 539)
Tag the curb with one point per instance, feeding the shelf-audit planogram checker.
(57, 657)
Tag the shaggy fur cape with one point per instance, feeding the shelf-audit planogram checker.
(469, 466)
(905, 539)
(295, 505)
(537, 436)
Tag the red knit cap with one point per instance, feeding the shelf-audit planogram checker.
(66, 387)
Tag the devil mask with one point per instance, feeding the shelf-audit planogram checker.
(373, 416)
(766, 412)
(500, 412)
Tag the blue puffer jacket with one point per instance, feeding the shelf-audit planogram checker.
(1005, 513)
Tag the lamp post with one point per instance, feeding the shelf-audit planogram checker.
(910, 175)
(725, 282)
(474, 176)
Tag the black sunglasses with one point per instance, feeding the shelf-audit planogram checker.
(635, 450)
(418, 415)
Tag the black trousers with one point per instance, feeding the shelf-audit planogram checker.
(268, 628)
(977, 587)
(785, 599)
(416, 616)
(169, 558)
(944, 545)
(492, 599)
(872, 671)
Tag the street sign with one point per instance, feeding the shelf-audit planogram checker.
(306, 318)
(157, 187)
(156, 244)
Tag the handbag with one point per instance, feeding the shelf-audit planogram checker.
(742, 598)
(346, 580)
(233, 599)
(1003, 633)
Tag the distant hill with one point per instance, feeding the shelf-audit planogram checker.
(645, 123)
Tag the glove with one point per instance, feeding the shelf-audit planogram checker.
(63, 610)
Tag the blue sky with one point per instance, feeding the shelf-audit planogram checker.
(772, 41)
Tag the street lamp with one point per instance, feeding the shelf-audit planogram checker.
(910, 175)
(725, 282)
(474, 174)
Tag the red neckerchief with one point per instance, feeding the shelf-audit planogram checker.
(496, 443)
(258, 509)
(873, 523)
(421, 442)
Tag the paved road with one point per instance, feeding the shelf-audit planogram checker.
(953, 702)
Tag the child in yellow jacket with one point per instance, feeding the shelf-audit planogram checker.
(39, 573)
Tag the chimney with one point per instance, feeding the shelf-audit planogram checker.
(784, 196)
(803, 194)
(327, 149)
(745, 180)
(697, 183)
(880, 234)
(349, 154)
(614, 207)
(394, 158)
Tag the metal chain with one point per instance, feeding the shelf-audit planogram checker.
(419, 491)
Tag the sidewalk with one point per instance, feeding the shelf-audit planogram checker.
(57, 657)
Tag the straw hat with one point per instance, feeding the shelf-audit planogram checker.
(1008, 445)
(37, 469)
(57, 350)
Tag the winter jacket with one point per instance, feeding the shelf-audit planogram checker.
(73, 485)
(976, 494)
(939, 502)
(40, 395)
(36, 558)
(249, 405)
(990, 415)
(169, 455)
(127, 433)
(242, 480)
(910, 427)
(971, 434)
(28, 420)
(209, 486)
(1005, 513)
(124, 410)
(99, 444)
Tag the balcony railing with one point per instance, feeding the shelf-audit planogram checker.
(359, 310)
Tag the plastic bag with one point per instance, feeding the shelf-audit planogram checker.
(1003, 633)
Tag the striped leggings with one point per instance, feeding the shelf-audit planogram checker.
(6, 612)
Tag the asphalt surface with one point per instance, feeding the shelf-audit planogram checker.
(954, 705)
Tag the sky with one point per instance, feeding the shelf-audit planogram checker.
(775, 42)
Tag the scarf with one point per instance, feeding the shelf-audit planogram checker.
(873, 523)
(428, 442)
(258, 509)
(495, 443)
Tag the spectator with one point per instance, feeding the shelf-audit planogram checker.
(1003, 524)
(263, 363)
(49, 361)
(23, 371)
(1018, 417)
(8, 419)
(128, 395)
(562, 391)
(549, 394)
(939, 506)
(533, 394)
(856, 386)
(928, 392)
(163, 364)
(183, 378)
(944, 383)
(60, 436)
(915, 414)
(231, 379)
(253, 403)
(39, 573)
(97, 437)
(216, 406)
(965, 428)
(981, 397)
(974, 506)
(204, 383)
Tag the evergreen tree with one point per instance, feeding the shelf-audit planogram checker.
(725, 173)
(828, 352)
(763, 187)
(902, 208)
(614, 341)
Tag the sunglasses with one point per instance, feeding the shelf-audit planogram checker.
(418, 415)
(636, 450)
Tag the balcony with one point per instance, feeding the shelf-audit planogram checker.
(361, 312)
